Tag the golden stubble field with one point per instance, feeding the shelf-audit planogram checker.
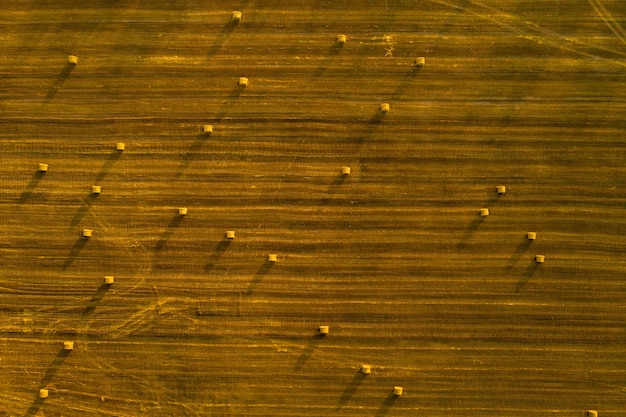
(393, 257)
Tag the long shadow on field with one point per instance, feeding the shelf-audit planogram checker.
(83, 209)
(45, 380)
(331, 53)
(201, 139)
(519, 250)
(59, 81)
(169, 231)
(528, 274)
(334, 187)
(222, 37)
(96, 298)
(192, 153)
(386, 405)
(75, 251)
(407, 80)
(308, 351)
(217, 254)
(477, 222)
(106, 168)
(34, 182)
(356, 382)
(258, 277)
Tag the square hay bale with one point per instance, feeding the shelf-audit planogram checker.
(72, 60)
(341, 39)
(236, 16)
(324, 330)
(96, 189)
(591, 413)
(345, 170)
(87, 232)
(539, 259)
(68, 345)
(207, 129)
(43, 167)
(230, 234)
(531, 235)
(398, 391)
(182, 211)
(366, 369)
(119, 146)
(272, 257)
(484, 212)
(109, 279)
(384, 108)
(43, 393)
(419, 61)
(243, 81)
(501, 189)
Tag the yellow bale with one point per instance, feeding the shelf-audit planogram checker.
(68, 345)
(109, 279)
(539, 259)
(182, 211)
(345, 170)
(119, 146)
(207, 129)
(96, 189)
(484, 212)
(87, 232)
(43, 168)
(341, 39)
(272, 257)
(324, 330)
(397, 390)
(419, 61)
(501, 189)
(384, 108)
(43, 393)
(591, 413)
(243, 81)
(230, 234)
(366, 369)
(72, 60)
(531, 235)
(236, 16)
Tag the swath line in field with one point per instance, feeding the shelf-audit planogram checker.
(609, 20)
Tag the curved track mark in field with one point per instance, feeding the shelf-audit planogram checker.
(609, 20)
(529, 30)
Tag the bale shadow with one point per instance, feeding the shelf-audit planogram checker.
(386, 405)
(217, 253)
(406, 81)
(32, 185)
(258, 277)
(106, 168)
(338, 181)
(222, 37)
(308, 351)
(517, 254)
(331, 53)
(83, 209)
(526, 276)
(169, 231)
(354, 384)
(52, 370)
(59, 81)
(97, 297)
(470, 231)
(78, 246)
(194, 150)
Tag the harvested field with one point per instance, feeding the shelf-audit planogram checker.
(394, 257)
